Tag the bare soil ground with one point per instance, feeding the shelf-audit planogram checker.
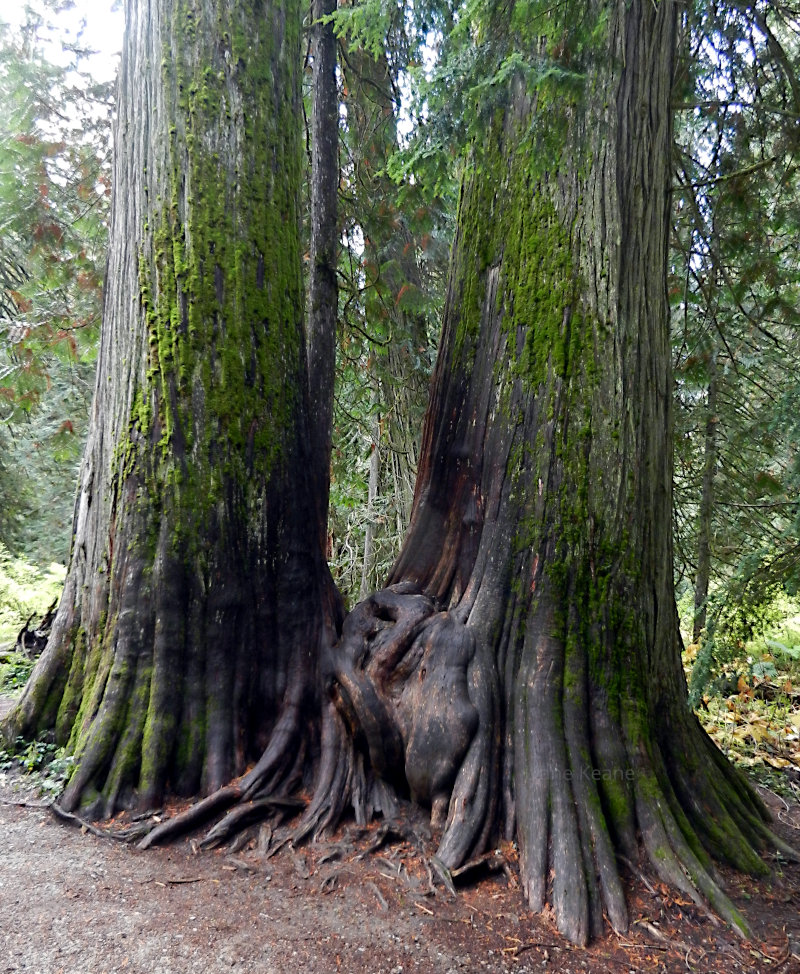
(76, 903)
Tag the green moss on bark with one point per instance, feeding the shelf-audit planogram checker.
(222, 302)
(71, 697)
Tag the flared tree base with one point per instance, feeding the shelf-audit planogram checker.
(413, 715)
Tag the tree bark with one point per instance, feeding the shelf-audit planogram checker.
(521, 672)
(197, 601)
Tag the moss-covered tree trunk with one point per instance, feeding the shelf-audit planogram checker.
(521, 673)
(187, 639)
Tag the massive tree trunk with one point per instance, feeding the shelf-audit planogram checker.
(521, 672)
(187, 640)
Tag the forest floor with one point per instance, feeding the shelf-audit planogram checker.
(74, 902)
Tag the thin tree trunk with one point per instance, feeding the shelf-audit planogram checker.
(368, 565)
(706, 506)
(323, 288)
(404, 393)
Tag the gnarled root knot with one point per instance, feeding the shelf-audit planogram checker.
(416, 693)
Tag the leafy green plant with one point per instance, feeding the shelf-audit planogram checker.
(56, 773)
(14, 672)
(47, 766)
(34, 755)
(25, 590)
(748, 614)
(788, 652)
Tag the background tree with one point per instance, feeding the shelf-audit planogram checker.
(393, 275)
(734, 298)
(188, 635)
(54, 188)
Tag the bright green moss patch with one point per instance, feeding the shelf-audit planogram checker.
(539, 281)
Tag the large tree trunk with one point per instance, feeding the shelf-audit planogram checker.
(521, 673)
(187, 640)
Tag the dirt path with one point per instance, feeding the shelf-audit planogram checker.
(74, 903)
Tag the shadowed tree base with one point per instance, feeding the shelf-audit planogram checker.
(414, 714)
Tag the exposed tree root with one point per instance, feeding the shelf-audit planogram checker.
(243, 816)
(413, 717)
(70, 819)
(192, 817)
(411, 684)
(412, 713)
